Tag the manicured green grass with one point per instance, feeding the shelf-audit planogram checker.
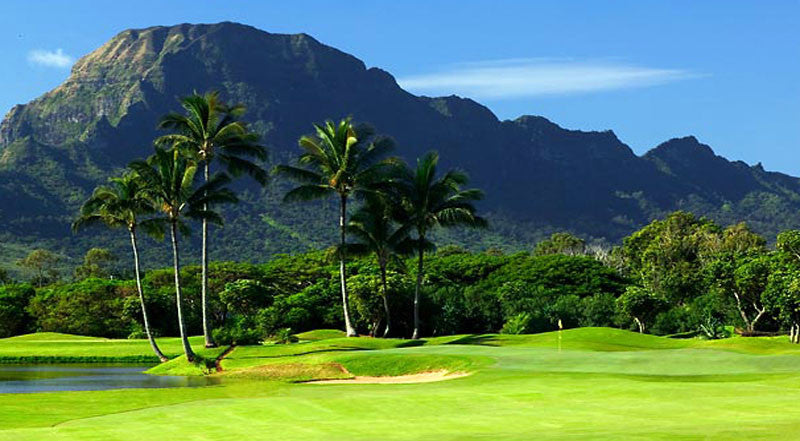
(321, 334)
(50, 347)
(590, 384)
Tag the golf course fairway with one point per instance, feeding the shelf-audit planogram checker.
(588, 383)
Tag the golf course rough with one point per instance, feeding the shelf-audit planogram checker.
(589, 383)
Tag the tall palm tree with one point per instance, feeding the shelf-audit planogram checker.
(429, 202)
(211, 131)
(340, 159)
(119, 205)
(169, 181)
(378, 234)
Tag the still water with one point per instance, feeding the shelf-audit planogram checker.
(78, 377)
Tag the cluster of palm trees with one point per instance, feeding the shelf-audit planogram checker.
(399, 208)
(162, 193)
(344, 160)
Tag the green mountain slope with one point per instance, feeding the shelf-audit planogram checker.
(538, 176)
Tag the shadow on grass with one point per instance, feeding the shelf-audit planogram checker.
(412, 343)
(475, 339)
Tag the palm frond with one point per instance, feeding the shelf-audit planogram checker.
(299, 174)
(308, 192)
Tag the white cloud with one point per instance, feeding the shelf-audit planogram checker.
(514, 78)
(56, 58)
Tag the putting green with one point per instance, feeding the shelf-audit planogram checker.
(582, 384)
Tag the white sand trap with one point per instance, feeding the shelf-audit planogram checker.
(423, 377)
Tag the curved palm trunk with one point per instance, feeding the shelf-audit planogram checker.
(187, 349)
(419, 287)
(150, 338)
(385, 300)
(204, 283)
(351, 332)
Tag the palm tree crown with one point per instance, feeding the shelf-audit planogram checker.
(429, 201)
(376, 232)
(169, 179)
(339, 158)
(211, 130)
(116, 205)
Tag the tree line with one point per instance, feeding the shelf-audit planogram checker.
(682, 276)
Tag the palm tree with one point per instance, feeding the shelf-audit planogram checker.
(378, 234)
(119, 205)
(341, 160)
(429, 202)
(169, 182)
(211, 131)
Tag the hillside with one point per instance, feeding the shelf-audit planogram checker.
(538, 177)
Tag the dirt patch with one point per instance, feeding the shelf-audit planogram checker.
(422, 377)
(295, 372)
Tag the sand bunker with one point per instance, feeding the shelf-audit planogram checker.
(423, 377)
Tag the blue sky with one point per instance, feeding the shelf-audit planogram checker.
(727, 72)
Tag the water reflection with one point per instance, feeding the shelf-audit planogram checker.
(82, 377)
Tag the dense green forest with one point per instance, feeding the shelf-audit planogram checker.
(682, 274)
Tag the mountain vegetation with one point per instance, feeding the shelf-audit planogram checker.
(538, 178)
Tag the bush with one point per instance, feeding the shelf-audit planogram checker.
(566, 312)
(598, 310)
(245, 296)
(14, 319)
(462, 310)
(316, 306)
(675, 321)
(517, 324)
(238, 332)
(90, 307)
(284, 336)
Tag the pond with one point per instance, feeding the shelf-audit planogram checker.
(82, 377)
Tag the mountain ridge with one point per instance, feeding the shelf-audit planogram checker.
(538, 176)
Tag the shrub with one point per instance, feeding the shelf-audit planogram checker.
(245, 296)
(566, 312)
(675, 321)
(284, 336)
(237, 332)
(517, 324)
(90, 307)
(598, 310)
(14, 319)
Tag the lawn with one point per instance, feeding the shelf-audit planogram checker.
(580, 384)
(51, 347)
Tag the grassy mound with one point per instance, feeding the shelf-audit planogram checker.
(321, 334)
(593, 339)
(204, 363)
(52, 337)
